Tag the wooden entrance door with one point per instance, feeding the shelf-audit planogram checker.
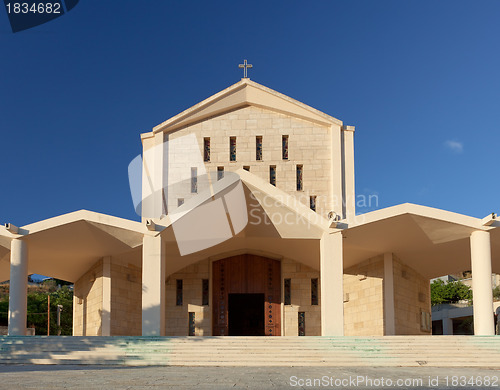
(246, 274)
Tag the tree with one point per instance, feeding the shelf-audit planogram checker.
(37, 309)
(450, 292)
(496, 293)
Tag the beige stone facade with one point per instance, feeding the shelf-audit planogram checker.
(309, 145)
(364, 313)
(363, 298)
(87, 303)
(177, 316)
(412, 300)
(370, 274)
(124, 295)
(300, 277)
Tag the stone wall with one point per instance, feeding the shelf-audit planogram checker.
(309, 145)
(126, 300)
(177, 317)
(364, 298)
(300, 277)
(87, 302)
(411, 298)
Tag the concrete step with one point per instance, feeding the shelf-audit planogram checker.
(444, 351)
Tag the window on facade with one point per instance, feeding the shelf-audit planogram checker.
(178, 292)
(288, 291)
(194, 180)
(302, 323)
(180, 202)
(204, 292)
(220, 173)
(258, 148)
(284, 147)
(314, 291)
(300, 184)
(246, 167)
(232, 148)
(206, 149)
(312, 202)
(192, 324)
(272, 175)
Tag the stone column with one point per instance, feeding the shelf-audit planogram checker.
(389, 311)
(331, 285)
(349, 195)
(481, 283)
(18, 287)
(153, 286)
(106, 297)
(447, 324)
(336, 188)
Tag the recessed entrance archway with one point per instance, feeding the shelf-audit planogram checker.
(240, 285)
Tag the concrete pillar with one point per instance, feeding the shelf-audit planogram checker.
(481, 283)
(336, 188)
(349, 195)
(106, 297)
(447, 324)
(153, 286)
(389, 312)
(331, 285)
(18, 289)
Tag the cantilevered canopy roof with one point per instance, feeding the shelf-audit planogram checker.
(431, 241)
(434, 242)
(66, 246)
(243, 94)
(277, 226)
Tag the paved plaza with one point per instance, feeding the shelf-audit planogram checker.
(219, 378)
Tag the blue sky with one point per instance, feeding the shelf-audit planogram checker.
(420, 81)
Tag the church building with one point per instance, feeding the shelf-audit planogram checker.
(249, 227)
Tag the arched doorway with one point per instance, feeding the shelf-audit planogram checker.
(246, 296)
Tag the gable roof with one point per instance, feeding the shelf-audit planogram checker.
(243, 94)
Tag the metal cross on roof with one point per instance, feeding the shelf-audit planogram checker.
(245, 67)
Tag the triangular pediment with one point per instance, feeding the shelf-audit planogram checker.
(243, 94)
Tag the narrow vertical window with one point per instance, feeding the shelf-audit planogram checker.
(312, 202)
(206, 149)
(204, 292)
(258, 148)
(272, 175)
(284, 147)
(232, 148)
(192, 324)
(246, 167)
(180, 202)
(178, 292)
(220, 173)
(314, 291)
(300, 184)
(302, 323)
(194, 180)
(288, 291)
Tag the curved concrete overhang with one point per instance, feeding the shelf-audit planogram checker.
(434, 242)
(66, 246)
(277, 225)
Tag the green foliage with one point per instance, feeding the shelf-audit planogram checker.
(37, 309)
(496, 293)
(451, 292)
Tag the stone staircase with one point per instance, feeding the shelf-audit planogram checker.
(430, 351)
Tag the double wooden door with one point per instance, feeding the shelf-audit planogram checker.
(246, 274)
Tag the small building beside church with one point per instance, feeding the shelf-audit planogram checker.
(249, 227)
